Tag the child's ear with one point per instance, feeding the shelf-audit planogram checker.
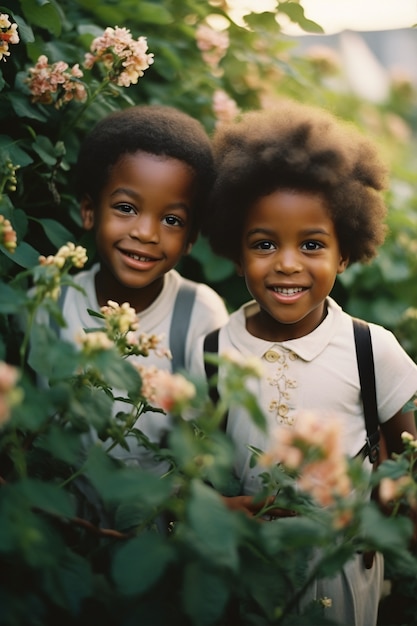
(239, 268)
(343, 263)
(87, 212)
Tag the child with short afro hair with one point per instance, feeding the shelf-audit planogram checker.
(291, 147)
(143, 177)
(296, 200)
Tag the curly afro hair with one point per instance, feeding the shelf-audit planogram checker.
(298, 147)
(156, 129)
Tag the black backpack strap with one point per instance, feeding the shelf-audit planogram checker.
(211, 345)
(180, 322)
(365, 359)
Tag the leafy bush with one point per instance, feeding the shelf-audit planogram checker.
(83, 537)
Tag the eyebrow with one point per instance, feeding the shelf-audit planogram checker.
(135, 196)
(308, 232)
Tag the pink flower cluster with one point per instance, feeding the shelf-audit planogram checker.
(8, 35)
(224, 107)
(393, 491)
(56, 83)
(8, 378)
(213, 44)
(313, 448)
(124, 59)
(8, 236)
(121, 326)
(164, 390)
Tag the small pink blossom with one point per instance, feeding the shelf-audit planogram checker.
(164, 390)
(120, 317)
(95, 341)
(313, 447)
(225, 108)
(8, 35)
(123, 58)
(56, 83)
(393, 490)
(213, 44)
(8, 379)
(8, 237)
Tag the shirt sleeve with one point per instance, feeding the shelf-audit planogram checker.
(395, 373)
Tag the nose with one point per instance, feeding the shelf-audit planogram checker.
(288, 261)
(145, 228)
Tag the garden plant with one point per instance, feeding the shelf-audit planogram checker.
(83, 537)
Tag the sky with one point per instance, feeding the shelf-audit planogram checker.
(337, 15)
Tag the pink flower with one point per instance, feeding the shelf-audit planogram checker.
(8, 237)
(8, 378)
(123, 58)
(313, 447)
(56, 83)
(213, 44)
(225, 108)
(393, 490)
(8, 35)
(164, 390)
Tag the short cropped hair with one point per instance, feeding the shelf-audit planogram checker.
(155, 129)
(303, 148)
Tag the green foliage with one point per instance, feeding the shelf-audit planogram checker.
(84, 537)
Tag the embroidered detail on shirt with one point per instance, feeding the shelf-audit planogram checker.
(283, 384)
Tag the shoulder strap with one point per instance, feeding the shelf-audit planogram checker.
(211, 344)
(180, 321)
(365, 359)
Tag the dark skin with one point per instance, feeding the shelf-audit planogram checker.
(142, 225)
(290, 257)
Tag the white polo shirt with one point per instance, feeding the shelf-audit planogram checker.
(317, 372)
(208, 312)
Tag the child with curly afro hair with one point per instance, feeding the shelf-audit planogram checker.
(298, 197)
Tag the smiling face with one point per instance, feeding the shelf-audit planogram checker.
(290, 257)
(142, 225)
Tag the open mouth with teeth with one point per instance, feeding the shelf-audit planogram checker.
(288, 291)
(136, 257)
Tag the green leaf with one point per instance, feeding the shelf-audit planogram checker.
(124, 484)
(62, 356)
(141, 562)
(35, 409)
(117, 372)
(152, 13)
(45, 149)
(296, 14)
(205, 594)
(212, 528)
(29, 535)
(25, 31)
(45, 496)
(44, 14)
(23, 107)
(56, 232)
(333, 558)
(70, 582)
(89, 407)
(24, 255)
(387, 534)
(61, 443)
(11, 300)
(17, 155)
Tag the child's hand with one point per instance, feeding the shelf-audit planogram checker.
(251, 507)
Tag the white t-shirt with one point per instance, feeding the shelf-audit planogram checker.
(317, 372)
(208, 312)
